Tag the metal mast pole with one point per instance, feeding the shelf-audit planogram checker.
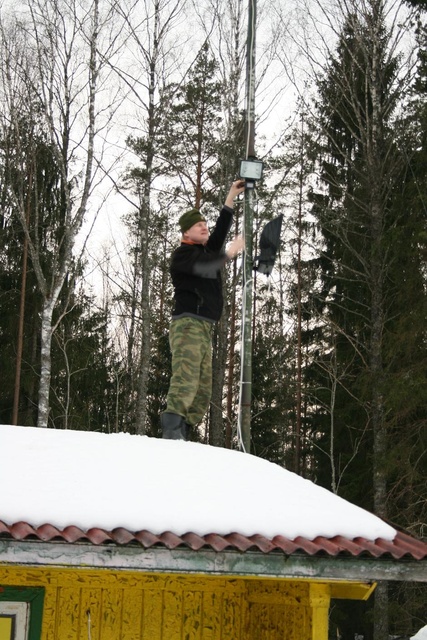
(246, 356)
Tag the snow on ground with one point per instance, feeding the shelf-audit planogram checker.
(421, 635)
(91, 479)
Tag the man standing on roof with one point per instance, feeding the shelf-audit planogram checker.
(195, 270)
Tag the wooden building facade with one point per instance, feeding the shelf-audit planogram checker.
(170, 591)
(83, 604)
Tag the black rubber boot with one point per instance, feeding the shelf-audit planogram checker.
(173, 426)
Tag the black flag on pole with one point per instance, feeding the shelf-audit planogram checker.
(268, 246)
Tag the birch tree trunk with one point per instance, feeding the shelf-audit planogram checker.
(46, 335)
(145, 337)
(151, 43)
(73, 222)
(48, 82)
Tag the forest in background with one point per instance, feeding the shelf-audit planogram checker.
(143, 104)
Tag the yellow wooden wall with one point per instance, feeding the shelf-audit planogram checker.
(120, 605)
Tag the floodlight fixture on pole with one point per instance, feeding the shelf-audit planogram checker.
(251, 170)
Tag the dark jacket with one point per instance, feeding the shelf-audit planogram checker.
(195, 271)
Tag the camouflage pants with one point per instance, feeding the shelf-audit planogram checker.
(191, 383)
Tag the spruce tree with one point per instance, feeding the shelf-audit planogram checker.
(371, 254)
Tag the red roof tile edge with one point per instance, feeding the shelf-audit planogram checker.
(402, 546)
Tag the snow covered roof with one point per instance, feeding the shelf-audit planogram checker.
(78, 486)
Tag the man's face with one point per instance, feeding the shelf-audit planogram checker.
(198, 233)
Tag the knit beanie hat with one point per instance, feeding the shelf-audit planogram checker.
(189, 218)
